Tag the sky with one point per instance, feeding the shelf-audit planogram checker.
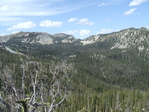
(80, 18)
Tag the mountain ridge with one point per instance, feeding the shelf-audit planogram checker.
(123, 39)
(38, 38)
(130, 38)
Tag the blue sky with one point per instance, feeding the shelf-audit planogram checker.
(80, 18)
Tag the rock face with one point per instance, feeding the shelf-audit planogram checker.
(123, 39)
(5, 38)
(38, 38)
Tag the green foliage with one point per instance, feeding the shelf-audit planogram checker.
(6, 57)
(113, 100)
(103, 81)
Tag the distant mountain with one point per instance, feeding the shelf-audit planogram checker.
(37, 38)
(127, 38)
(39, 43)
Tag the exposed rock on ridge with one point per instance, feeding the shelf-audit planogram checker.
(38, 38)
(123, 39)
(127, 38)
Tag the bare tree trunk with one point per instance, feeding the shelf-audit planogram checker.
(41, 89)
(23, 82)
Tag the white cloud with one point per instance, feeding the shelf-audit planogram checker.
(25, 25)
(104, 31)
(84, 32)
(4, 8)
(72, 19)
(85, 22)
(131, 11)
(49, 23)
(32, 8)
(137, 2)
(8, 18)
(71, 32)
(103, 4)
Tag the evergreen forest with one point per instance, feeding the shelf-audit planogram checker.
(90, 80)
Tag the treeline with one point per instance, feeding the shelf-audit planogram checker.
(112, 100)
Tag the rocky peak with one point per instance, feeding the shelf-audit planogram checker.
(123, 39)
(144, 28)
(38, 38)
(64, 36)
(60, 35)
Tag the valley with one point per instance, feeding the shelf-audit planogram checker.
(101, 73)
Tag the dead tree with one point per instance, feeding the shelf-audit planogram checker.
(37, 86)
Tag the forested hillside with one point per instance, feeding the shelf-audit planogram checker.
(106, 83)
